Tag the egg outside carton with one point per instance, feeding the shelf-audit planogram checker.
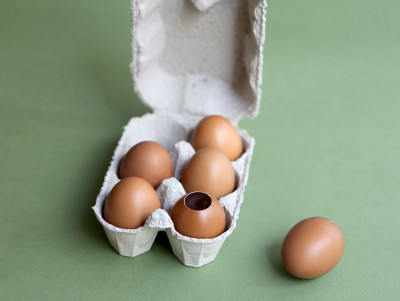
(173, 135)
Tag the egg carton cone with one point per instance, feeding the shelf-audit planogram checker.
(191, 59)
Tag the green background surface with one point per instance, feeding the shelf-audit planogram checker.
(327, 144)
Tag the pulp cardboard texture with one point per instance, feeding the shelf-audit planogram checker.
(190, 59)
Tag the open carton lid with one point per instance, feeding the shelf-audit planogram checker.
(199, 57)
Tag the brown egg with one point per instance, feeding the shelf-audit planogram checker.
(210, 171)
(217, 132)
(199, 215)
(147, 160)
(130, 203)
(312, 247)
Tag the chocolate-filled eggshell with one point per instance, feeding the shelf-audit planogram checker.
(148, 160)
(312, 247)
(209, 170)
(199, 215)
(130, 203)
(217, 132)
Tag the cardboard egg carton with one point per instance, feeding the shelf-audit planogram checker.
(191, 59)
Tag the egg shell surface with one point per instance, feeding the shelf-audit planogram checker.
(217, 132)
(148, 160)
(210, 171)
(312, 247)
(130, 203)
(199, 215)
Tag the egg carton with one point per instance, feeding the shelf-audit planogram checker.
(191, 59)
(169, 133)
